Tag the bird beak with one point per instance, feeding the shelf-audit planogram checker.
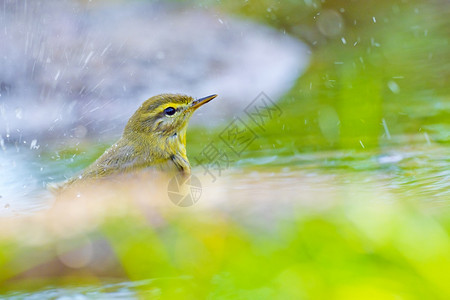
(197, 103)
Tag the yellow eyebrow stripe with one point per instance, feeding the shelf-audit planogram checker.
(174, 105)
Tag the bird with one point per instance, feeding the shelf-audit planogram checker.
(154, 137)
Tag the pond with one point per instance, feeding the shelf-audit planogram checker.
(417, 173)
(339, 187)
(332, 206)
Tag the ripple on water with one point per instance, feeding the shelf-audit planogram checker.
(413, 174)
(21, 186)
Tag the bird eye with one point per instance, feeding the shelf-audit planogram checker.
(170, 111)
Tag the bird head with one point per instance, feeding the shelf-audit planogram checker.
(164, 116)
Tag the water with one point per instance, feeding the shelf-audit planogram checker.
(419, 171)
(122, 290)
(258, 195)
(22, 186)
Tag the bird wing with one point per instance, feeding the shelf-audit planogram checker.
(117, 158)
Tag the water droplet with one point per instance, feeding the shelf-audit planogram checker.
(393, 86)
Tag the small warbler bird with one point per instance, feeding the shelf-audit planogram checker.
(154, 137)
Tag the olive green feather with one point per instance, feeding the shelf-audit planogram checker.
(154, 137)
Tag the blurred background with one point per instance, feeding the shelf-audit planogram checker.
(342, 191)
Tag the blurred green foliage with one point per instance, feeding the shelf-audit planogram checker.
(350, 251)
(367, 254)
(376, 66)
